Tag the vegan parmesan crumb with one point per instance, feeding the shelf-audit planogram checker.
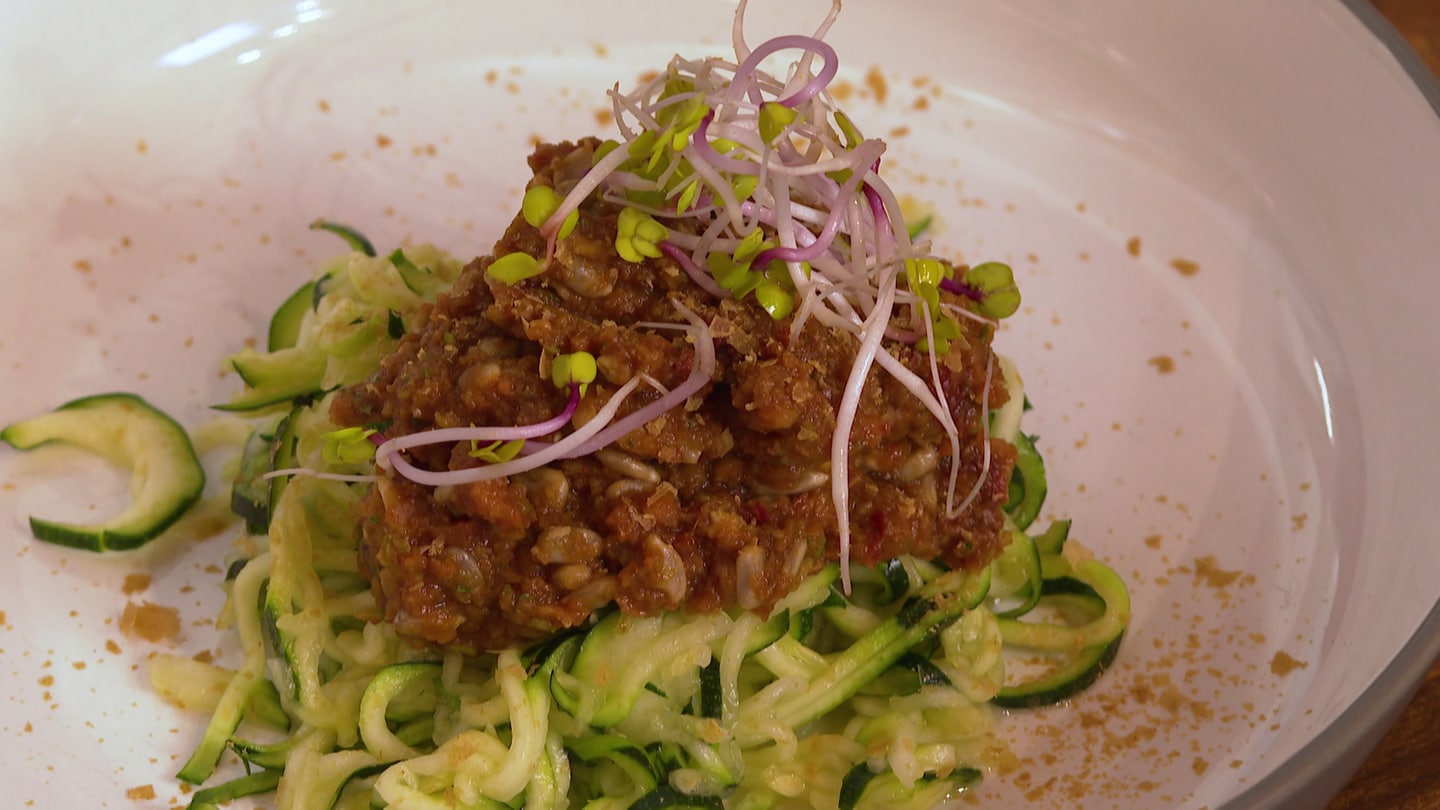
(875, 80)
(1283, 663)
(141, 793)
(1185, 266)
(1210, 573)
(150, 621)
(135, 583)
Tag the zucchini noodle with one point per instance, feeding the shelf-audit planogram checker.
(880, 698)
(865, 687)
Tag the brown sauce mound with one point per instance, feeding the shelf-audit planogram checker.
(724, 502)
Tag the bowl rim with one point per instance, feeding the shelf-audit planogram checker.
(1322, 766)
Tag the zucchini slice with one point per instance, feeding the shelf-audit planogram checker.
(250, 493)
(285, 323)
(1052, 542)
(166, 475)
(1020, 561)
(553, 653)
(275, 377)
(1070, 679)
(270, 756)
(249, 785)
(922, 617)
(864, 788)
(637, 763)
(375, 706)
(1100, 606)
(419, 280)
(668, 798)
(1027, 483)
(355, 239)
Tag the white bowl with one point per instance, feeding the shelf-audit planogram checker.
(1249, 435)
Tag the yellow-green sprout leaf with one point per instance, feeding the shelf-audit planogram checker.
(647, 147)
(923, 271)
(774, 299)
(679, 182)
(930, 294)
(848, 132)
(690, 115)
(542, 201)
(653, 165)
(947, 328)
(745, 186)
(777, 272)
(944, 329)
(637, 234)
(348, 446)
(1001, 304)
(750, 247)
(996, 283)
(737, 278)
(606, 147)
(569, 224)
(642, 145)
(649, 199)
(513, 268)
(774, 118)
(539, 203)
(577, 367)
(651, 231)
(680, 176)
(688, 197)
(496, 452)
(990, 276)
(919, 215)
(674, 86)
(920, 226)
(680, 120)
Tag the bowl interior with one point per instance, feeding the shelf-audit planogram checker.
(1223, 333)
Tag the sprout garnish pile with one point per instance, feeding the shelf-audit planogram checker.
(772, 195)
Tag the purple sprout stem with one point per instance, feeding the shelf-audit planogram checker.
(752, 62)
(698, 274)
(700, 140)
(961, 288)
(884, 236)
(826, 237)
(483, 434)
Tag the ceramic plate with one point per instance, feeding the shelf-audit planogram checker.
(1222, 218)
